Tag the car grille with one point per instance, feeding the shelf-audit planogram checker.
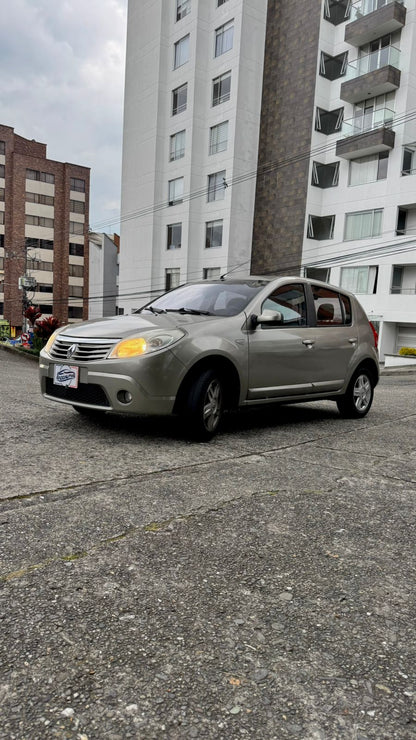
(84, 350)
(85, 393)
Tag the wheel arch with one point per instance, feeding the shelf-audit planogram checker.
(227, 372)
(372, 368)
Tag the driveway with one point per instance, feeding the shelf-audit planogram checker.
(258, 586)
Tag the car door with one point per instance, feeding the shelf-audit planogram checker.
(279, 353)
(336, 338)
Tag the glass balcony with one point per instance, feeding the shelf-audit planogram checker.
(365, 7)
(369, 121)
(387, 56)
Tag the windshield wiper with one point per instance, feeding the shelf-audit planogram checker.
(152, 309)
(192, 311)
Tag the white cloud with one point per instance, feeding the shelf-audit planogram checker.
(62, 84)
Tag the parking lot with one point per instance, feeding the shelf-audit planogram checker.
(258, 586)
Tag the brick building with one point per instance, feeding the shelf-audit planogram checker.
(44, 217)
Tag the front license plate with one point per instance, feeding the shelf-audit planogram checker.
(66, 375)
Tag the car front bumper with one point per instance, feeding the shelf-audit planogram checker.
(152, 381)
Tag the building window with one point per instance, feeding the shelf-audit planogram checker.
(325, 175)
(216, 186)
(76, 228)
(1, 241)
(401, 222)
(218, 138)
(174, 236)
(172, 277)
(213, 234)
(183, 7)
(77, 185)
(75, 291)
(211, 273)
(363, 224)
(181, 52)
(321, 227)
(368, 169)
(409, 160)
(74, 312)
(224, 38)
(397, 279)
(76, 250)
(221, 2)
(2, 147)
(177, 146)
(38, 243)
(360, 279)
(179, 99)
(45, 200)
(318, 273)
(221, 88)
(41, 176)
(328, 121)
(41, 265)
(2, 171)
(333, 67)
(44, 288)
(2, 192)
(77, 206)
(175, 191)
(39, 221)
(337, 11)
(45, 308)
(1, 217)
(76, 270)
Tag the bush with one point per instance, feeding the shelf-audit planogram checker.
(408, 352)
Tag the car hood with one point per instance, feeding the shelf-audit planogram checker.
(118, 327)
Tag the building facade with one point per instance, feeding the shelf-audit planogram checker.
(194, 74)
(267, 137)
(44, 215)
(103, 274)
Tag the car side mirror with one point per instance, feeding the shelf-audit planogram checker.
(267, 317)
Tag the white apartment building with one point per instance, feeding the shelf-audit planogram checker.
(360, 229)
(103, 269)
(273, 137)
(193, 90)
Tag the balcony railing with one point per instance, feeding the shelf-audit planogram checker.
(387, 56)
(367, 122)
(365, 7)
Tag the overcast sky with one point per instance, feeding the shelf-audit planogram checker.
(62, 83)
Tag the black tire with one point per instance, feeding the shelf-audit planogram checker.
(204, 405)
(357, 400)
(84, 411)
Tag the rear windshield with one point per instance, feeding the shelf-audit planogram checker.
(216, 299)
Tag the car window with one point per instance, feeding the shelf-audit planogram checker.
(331, 308)
(290, 301)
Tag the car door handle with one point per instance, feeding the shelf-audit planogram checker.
(308, 343)
(353, 340)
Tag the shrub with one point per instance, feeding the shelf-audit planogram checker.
(45, 327)
(32, 314)
(407, 351)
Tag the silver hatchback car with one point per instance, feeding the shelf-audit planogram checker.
(206, 347)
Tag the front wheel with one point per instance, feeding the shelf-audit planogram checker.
(204, 406)
(359, 395)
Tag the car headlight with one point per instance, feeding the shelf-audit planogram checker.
(52, 338)
(144, 345)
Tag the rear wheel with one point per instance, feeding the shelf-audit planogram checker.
(359, 395)
(204, 406)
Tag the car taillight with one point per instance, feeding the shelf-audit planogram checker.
(375, 335)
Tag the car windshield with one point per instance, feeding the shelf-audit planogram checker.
(212, 299)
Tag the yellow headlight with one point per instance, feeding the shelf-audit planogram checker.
(51, 340)
(130, 348)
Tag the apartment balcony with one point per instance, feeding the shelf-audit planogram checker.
(372, 19)
(372, 75)
(368, 134)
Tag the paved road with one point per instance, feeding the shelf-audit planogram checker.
(259, 586)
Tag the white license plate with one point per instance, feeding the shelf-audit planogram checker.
(66, 375)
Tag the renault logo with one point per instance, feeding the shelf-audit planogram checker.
(71, 351)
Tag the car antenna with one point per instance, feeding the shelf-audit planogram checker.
(224, 275)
